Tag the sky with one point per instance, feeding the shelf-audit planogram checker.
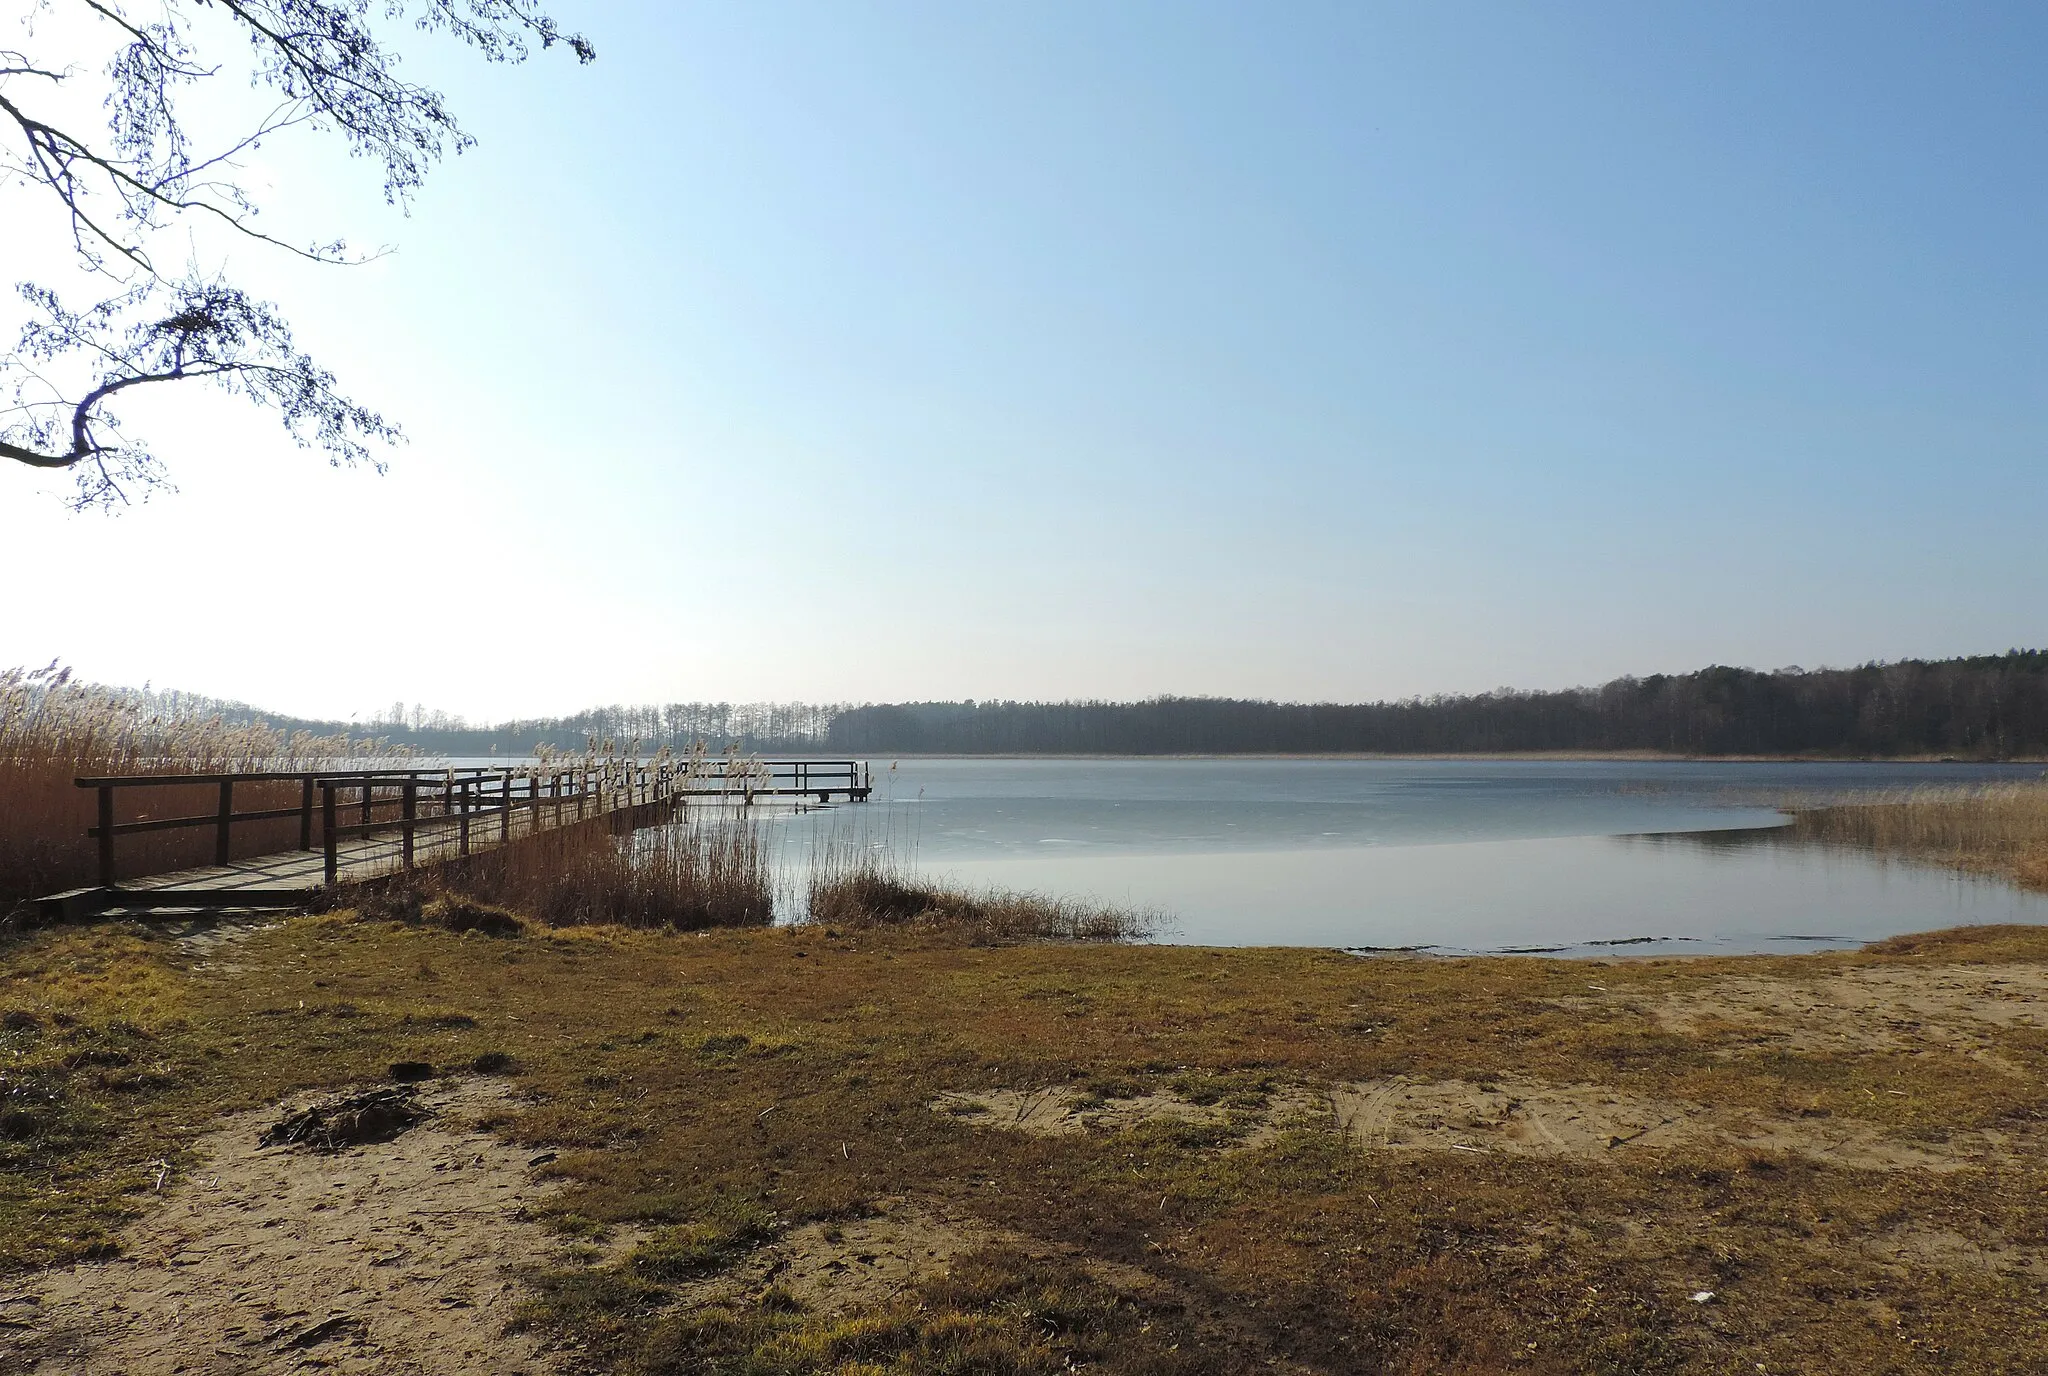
(893, 351)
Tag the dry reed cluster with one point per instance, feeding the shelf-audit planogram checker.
(53, 730)
(853, 883)
(707, 868)
(1988, 828)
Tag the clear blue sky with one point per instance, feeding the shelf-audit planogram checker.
(901, 351)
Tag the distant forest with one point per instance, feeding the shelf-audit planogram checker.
(1981, 707)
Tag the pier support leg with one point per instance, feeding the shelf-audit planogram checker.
(409, 811)
(106, 837)
(330, 841)
(225, 822)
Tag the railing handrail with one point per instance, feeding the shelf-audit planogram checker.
(469, 793)
(425, 776)
(719, 767)
(276, 776)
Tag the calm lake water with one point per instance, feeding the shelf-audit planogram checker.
(1575, 857)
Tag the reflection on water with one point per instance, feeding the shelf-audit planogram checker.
(1567, 895)
(987, 809)
(1573, 857)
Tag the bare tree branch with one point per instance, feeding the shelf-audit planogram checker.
(334, 71)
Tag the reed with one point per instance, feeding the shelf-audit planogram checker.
(854, 882)
(707, 868)
(1987, 829)
(53, 730)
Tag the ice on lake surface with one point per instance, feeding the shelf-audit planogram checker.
(1453, 855)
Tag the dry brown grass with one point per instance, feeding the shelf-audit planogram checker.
(53, 730)
(858, 885)
(1987, 829)
(707, 868)
(705, 1091)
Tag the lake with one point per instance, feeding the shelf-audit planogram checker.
(1561, 856)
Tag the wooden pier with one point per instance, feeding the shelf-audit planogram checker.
(359, 825)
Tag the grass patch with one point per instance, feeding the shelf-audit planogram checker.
(998, 1312)
(733, 1228)
(707, 1093)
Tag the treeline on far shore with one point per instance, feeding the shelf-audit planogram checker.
(1981, 707)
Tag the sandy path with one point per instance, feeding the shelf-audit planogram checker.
(1517, 1117)
(1587, 1121)
(1872, 1008)
(397, 1258)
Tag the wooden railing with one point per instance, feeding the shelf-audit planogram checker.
(468, 796)
(225, 817)
(800, 778)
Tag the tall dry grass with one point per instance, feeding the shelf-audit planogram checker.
(52, 730)
(1985, 828)
(707, 868)
(855, 881)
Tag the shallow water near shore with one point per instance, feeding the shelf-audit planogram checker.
(1567, 857)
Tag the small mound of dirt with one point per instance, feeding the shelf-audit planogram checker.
(414, 905)
(411, 1072)
(377, 1115)
(463, 915)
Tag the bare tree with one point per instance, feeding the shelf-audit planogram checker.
(330, 66)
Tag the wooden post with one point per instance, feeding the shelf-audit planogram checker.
(505, 817)
(462, 827)
(327, 831)
(408, 810)
(366, 800)
(106, 836)
(555, 787)
(306, 813)
(226, 820)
